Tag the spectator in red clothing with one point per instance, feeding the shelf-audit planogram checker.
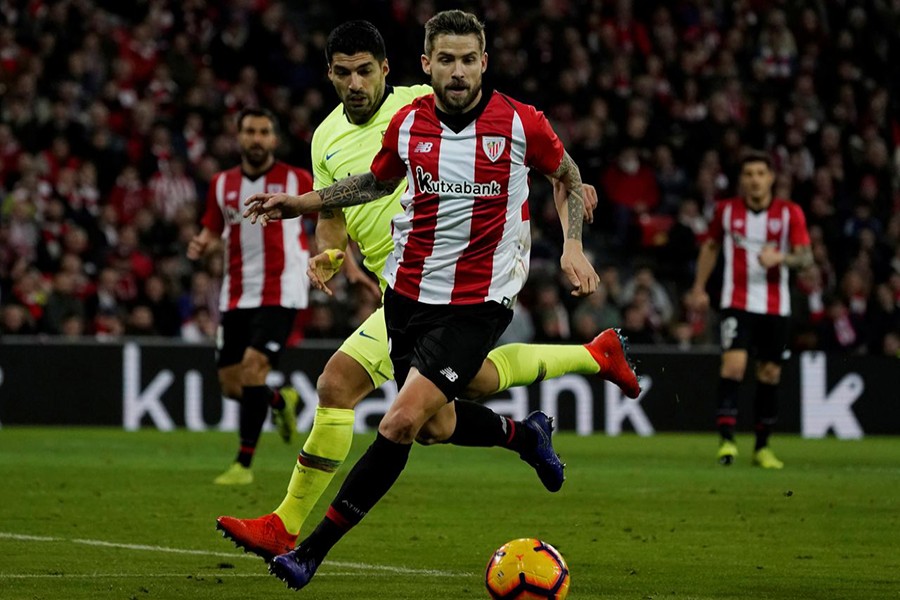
(57, 157)
(10, 149)
(631, 35)
(128, 195)
(130, 258)
(172, 189)
(631, 187)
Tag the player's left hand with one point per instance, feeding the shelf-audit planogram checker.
(770, 257)
(322, 267)
(578, 269)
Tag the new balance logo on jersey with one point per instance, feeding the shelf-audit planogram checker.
(423, 147)
(450, 374)
(274, 188)
(429, 185)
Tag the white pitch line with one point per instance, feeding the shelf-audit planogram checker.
(162, 575)
(232, 555)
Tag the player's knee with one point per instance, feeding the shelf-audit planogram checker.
(332, 392)
(231, 389)
(769, 373)
(737, 374)
(255, 366)
(733, 370)
(401, 426)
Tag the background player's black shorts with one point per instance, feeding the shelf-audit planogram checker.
(766, 335)
(447, 344)
(265, 329)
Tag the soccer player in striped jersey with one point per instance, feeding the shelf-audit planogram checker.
(460, 257)
(344, 144)
(762, 237)
(265, 284)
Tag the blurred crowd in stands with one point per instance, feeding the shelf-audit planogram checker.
(114, 116)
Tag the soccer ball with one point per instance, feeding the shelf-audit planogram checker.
(527, 569)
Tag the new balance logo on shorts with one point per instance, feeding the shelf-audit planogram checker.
(449, 373)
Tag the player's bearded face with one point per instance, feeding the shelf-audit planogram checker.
(757, 180)
(257, 140)
(359, 80)
(456, 65)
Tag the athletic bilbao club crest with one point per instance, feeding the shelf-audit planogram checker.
(493, 147)
(774, 226)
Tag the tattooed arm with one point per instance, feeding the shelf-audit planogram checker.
(357, 189)
(569, 175)
(799, 257)
(574, 263)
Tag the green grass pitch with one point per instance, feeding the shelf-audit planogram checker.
(101, 513)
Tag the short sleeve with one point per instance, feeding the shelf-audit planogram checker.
(321, 175)
(544, 150)
(716, 226)
(387, 164)
(212, 217)
(799, 234)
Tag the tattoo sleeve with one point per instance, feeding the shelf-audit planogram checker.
(570, 176)
(357, 189)
(799, 258)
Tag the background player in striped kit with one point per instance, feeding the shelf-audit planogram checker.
(460, 255)
(343, 144)
(762, 238)
(265, 284)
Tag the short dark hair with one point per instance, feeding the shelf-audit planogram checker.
(754, 156)
(353, 37)
(256, 112)
(453, 22)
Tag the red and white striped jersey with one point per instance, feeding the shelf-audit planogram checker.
(463, 236)
(264, 266)
(743, 233)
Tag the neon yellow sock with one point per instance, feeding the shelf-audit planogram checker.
(523, 364)
(325, 449)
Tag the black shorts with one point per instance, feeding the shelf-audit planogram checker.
(446, 343)
(265, 329)
(766, 335)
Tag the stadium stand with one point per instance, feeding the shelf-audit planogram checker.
(114, 116)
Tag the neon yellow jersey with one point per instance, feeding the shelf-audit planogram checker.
(340, 149)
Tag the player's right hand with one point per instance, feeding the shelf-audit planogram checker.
(262, 208)
(697, 299)
(323, 267)
(196, 247)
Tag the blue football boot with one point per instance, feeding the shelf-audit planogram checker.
(542, 457)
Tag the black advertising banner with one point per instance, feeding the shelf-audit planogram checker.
(166, 386)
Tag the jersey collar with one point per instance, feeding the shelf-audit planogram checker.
(458, 122)
(258, 175)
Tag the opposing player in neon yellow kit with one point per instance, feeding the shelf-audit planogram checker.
(343, 145)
